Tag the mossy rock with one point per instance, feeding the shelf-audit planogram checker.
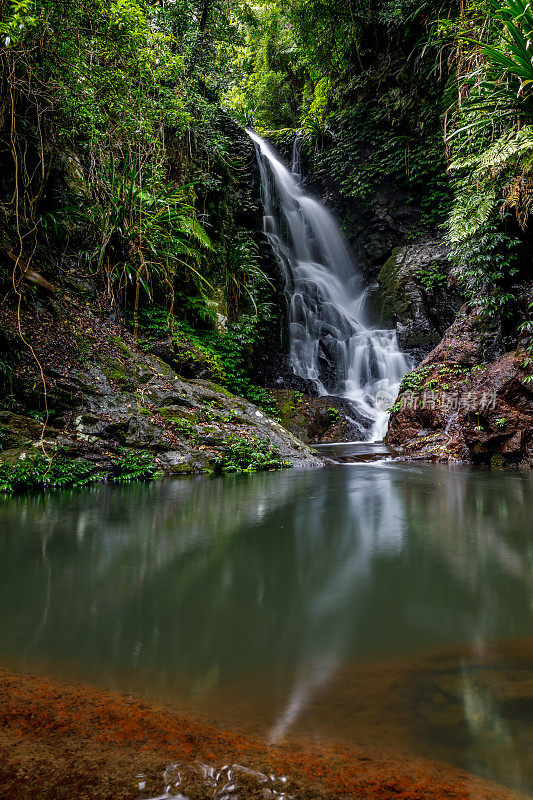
(188, 359)
(395, 302)
(121, 345)
(17, 430)
(118, 377)
(215, 387)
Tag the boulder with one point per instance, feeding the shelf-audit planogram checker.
(418, 295)
(317, 420)
(456, 407)
(106, 393)
(187, 359)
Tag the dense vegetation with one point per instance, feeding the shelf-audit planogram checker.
(120, 161)
(125, 165)
(435, 97)
(125, 98)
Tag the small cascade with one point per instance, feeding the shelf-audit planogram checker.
(332, 341)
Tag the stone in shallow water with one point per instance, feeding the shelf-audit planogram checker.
(229, 782)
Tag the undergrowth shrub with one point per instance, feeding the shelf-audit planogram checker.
(33, 473)
(229, 354)
(486, 266)
(250, 455)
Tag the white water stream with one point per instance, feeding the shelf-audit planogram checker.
(332, 342)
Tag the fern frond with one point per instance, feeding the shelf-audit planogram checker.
(471, 210)
(509, 147)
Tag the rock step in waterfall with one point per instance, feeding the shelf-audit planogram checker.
(332, 342)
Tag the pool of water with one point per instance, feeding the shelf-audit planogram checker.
(370, 603)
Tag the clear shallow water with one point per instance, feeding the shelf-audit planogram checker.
(377, 604)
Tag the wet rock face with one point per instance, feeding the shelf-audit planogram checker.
(274, 370)
(317, 420)
(186, 359)
(105, 392)
(417, 295)
(389, 220)
(17, 430)
(455, 407)
(373, 229)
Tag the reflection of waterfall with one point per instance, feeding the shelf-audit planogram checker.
(332, 588)
(332, 343)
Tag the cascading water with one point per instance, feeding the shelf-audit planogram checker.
(332, 342)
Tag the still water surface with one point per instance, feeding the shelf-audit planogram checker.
(375, 604)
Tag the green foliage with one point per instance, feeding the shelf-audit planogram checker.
(500, 168)
(526, 330)
(333, 414)
(228, 354)
(499, 91)
(133, 465)
(35, 472)
(492, 141)
(21, 17)
(414, 381)
(472, 207)
(135, 141)
(243, 274)
(486, 265)
(267, 69)
(232, 353)
(146, 232)
(366, 148)
(250, 455)
(444, 376)
(432, 277)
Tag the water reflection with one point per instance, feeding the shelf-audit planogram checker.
(271, 590)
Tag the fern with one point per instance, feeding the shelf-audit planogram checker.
(471, 209)
(501, 153)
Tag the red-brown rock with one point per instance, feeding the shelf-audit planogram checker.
(454, 407)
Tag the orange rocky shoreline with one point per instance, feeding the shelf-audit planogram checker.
(60, 741)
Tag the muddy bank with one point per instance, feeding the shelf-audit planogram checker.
(64, 741)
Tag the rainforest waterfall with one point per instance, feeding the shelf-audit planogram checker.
(332, 342)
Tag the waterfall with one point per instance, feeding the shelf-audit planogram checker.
(332, 341)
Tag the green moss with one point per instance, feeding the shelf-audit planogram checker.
(215, 387)
(497, 461)
(393, 299)
(116, 341)
(116, 376)
(235, 418)
(83, 347)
